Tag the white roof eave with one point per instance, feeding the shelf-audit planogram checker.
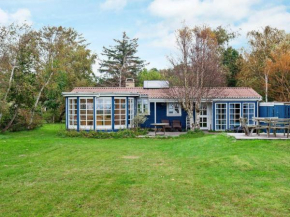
(98, 94)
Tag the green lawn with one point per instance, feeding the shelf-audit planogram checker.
(42, 174)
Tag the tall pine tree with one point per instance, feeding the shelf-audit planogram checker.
(121, 62)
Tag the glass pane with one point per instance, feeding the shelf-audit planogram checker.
(99, 101)
(108, 122)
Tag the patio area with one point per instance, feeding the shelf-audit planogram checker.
(263, 136)
(167, 134)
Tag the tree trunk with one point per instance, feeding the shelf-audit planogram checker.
(120, 79)
(197, 115)
(11, 121)
(10, 82)
(61, 116)
(197, 119)
(266, 87)
(191, 122)
(9, 87)
(37, 100)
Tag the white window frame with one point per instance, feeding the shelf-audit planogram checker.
(69, 114)
(174, 114)
(230, 125)
(131, 111)
(201, 116)
(221, 119)
(121, 126)
(86, 127)
(254, 115)
(103, 127)
(142, 100)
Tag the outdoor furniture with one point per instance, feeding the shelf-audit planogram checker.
(167, 126)
(274, 123)
(259, 126)
(248, 129)
(281, 124)
(162, 125)
(176, 124)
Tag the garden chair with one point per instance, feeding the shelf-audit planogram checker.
(167, 122)
(176, 124)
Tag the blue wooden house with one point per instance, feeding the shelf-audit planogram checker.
(113, 108)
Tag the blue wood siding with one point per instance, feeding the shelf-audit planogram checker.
(280, 111)
(161, 114)
(287, 111)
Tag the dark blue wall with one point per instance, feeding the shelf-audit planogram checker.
(280, 111)
(287, 111)
(162, 115)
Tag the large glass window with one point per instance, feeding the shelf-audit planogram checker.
(120, 113)
(143, 106)
(249, 112)
(203, 116)
(87, 113)
(72, 113)
(173, 109)
(235, 114)
(104, 113)
(220, 116)
(131, 111)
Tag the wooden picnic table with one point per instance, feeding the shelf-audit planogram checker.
(161, 125)
(272, 124)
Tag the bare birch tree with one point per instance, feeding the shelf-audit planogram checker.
(196, 70)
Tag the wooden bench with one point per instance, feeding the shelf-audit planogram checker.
(281, 124)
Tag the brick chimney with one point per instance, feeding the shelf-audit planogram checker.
(130, 82)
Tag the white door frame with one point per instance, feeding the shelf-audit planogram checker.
(206, 116)
(126, 117)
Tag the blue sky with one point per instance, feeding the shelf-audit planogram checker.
(152, 21)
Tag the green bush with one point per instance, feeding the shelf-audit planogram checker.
(126, 133)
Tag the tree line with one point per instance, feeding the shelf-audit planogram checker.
(36, 66)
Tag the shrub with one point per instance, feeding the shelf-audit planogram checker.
(126, 133)
(138, 120)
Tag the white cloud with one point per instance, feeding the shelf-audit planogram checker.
(20, 16)
(114, 4)
(238, 14)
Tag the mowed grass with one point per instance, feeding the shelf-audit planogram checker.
(42, 174)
